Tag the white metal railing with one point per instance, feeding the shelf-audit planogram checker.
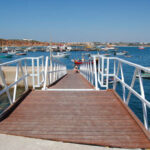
(88, 70)
(37, 71)
(21, 67)
(53, 72)
(99, 70)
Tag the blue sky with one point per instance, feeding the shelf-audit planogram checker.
(76, 20)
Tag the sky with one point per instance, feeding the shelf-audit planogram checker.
(76, 20)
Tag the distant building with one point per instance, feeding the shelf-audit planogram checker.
(27, 39)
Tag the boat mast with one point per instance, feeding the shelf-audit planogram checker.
(50, 51)
(2, 45)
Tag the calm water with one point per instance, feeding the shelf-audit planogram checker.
(141, 57)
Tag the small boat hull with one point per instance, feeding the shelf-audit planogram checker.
(19, 54)
(141, 47)
(6, 56)
(59, 55)
(144, 75)
(78, 62)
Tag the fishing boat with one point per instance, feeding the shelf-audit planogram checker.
(12, 52)
(121, 53)
(107, 55)
(128, 56)
(27, 49)
(141, 47)
(145, 75)
(78, 62)
(110, 80)
(4, 49)
(108, 48)
(61, 54)
(6, 56)
(21, 54)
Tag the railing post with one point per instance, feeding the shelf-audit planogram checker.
(57, 72)
(91, 71)
(132, 85)
(51, 74)
(15, 86)
(33, 74)
(92, 80)
(143, 103)
(43, 69)
(115, 79)
(102, 74)
(25, 83)
(99, 74)
(107, 74)
(46, 70)
(123, 86)
(54, 77)
(26, 73)
(5, 85)
(38, 72)
(114, 67)
(95, 72)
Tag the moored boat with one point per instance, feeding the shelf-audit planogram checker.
(78, 62)
(21, 54)
(107, 55)
(141, 47)
(6, 56)
(61, 54)
(13, 52)
(107, 48)
(121, 53)
(144, 74)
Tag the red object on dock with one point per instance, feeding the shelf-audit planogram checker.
(78, 62)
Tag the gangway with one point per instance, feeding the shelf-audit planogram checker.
(78, 107)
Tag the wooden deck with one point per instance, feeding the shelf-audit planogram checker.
(87, 117)
(73, 81)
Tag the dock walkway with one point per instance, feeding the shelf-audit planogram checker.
(72, 81)
(86, 117)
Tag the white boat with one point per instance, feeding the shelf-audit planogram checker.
(61, 54)
(4, 49)
(121, 53)
(69, 48)
(141, 47)
(12, 52)
(107, 48)
(28, 49)
(144, 74)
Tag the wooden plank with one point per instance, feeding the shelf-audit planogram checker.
(95, 117)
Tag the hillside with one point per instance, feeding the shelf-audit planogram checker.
(19, 43)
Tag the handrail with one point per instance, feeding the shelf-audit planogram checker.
(24, 72)
(53, 72)
(87, 70)
(107, 67)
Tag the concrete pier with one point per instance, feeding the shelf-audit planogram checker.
(9, 142)
(10, 73)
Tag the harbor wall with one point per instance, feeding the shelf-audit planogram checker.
(10, 74)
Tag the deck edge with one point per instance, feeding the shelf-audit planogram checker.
(131, 113)
(12, 107)
(86, 80)
(49, 86)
